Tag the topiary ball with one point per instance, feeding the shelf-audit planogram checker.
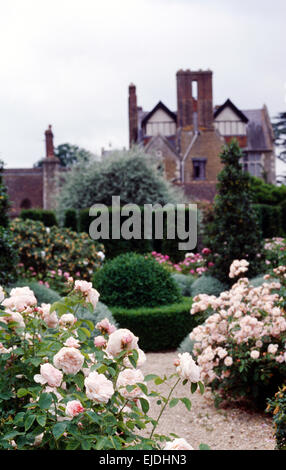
(207, 285)
(131, 280)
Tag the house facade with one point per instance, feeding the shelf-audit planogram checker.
(187, 142)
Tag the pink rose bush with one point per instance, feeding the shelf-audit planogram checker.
(63, 388)
(240, 348)
(195, 264)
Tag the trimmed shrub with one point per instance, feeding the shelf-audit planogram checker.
(132, 280)
(43, 294)
(47, 217)
(270, 220)
(184, 283)
(159, 328)
(258, 280)
(8, 257)
(44, 249)
(207, 285)
(71, 219)
(283, 216)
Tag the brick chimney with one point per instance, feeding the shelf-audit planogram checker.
(51, 166)
(49, 142)
(133, 115)
(184, 98)
(205, 98)
(186, 102)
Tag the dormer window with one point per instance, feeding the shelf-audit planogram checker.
(199, 168)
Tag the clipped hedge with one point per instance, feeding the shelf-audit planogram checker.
(8, 256)
(270, 220)
(71, 219)
(47, 217)
(132, 280)
(159, 328)
(207, 285)
(115, 247)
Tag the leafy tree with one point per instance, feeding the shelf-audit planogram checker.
(4, 200)
(69, 155)
(234, 232)
(132, 175)
(279, 128)
(267, 193)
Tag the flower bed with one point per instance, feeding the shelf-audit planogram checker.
(241, 345)
(61, 388)
(194, 263)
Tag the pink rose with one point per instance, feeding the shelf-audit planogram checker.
(72, 343)
(74, 408)
(70, 360)
(187, 368)
(121, 339)
(178, 444)
(50, 375)
(130, 377)
(98, 387)
(67, 319)
(105, 326)
(99, 342)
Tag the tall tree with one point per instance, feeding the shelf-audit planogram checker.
(234, 232)
(69, 155)
(4, 200)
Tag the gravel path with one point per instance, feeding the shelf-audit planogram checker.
(222, 429)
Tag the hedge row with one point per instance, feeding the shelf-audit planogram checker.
(272, 219)
(159, 328)
(47, 217)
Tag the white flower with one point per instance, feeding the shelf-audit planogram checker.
(98, 387)
(187, 368)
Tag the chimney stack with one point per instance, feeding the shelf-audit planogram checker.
(186, 100)
(49, 142)
(133, 115)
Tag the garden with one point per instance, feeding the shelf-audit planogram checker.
(134, 344)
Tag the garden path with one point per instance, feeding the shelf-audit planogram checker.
(231, 428)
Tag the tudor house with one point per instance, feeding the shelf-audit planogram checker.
(187, 142)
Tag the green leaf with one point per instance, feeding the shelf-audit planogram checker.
(29, 421)
(144, 404)
(22, 392)
(72, 445)
(59, 429)
(194, 387)
(173, 402)
(149, 377)
(158, 381)
(187, 403)
(143, 388)
(42, 420)
(202, 387)
(204, 447)
(45, 401)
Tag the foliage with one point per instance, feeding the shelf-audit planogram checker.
(100, 312)
(275, 252)
(52, 253)
(159, 328)
(128, 174)
(4, 200)
(70, 155)
(279, 128)
(132, 280)
(234, 232)
(71, 219)
(266, 193)
(8, 257)
(184, 283)
(187, 345)
(47, 217)
(58, 397)
(270, 220)
(241, 345)
(207, 285)
(277, 407)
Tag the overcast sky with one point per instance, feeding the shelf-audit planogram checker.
(69, 63)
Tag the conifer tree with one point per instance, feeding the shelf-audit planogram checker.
(234, 232)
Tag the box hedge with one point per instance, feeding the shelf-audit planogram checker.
(47, 217)
(270, 220)
(159, 328)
